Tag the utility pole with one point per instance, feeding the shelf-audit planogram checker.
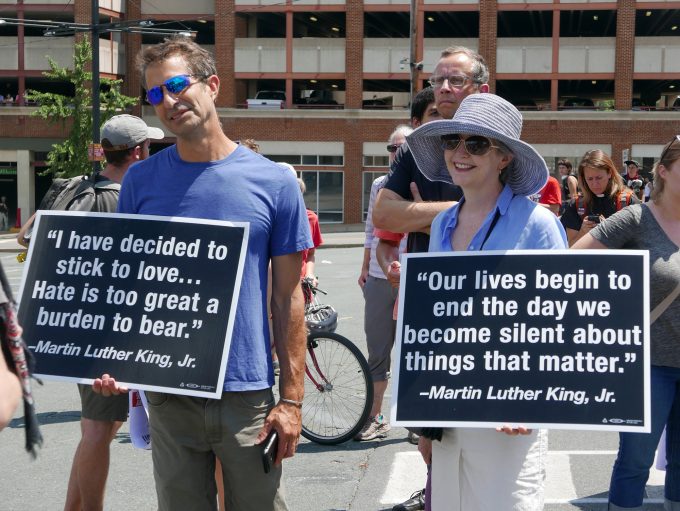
(413, 66)
(96, 106)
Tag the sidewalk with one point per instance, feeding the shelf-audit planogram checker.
(8, 242)
(342, 239)
(338, 239)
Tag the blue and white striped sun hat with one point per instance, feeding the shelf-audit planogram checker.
(490, 116)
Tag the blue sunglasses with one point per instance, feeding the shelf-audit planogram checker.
(173, 85)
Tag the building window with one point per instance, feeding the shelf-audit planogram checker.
(367, 181)
(331, 160)
(324, 196)
(293, 159)
(308, 159)
(376, 161)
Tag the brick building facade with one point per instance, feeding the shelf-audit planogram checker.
(588, 75)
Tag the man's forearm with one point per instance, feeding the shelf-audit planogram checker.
(385, 253)
(393, 213)
(367, 259)
(290, 338)
(311, 263)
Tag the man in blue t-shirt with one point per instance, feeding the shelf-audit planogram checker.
(206, 175)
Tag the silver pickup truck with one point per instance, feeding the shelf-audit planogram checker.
(267, 100)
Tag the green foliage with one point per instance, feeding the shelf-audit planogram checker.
(606, 104)
(69, 158)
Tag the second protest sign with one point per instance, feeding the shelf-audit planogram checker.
(541, 338)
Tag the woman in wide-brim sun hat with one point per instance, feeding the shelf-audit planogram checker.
(480, 150)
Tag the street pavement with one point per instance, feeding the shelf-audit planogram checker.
(368, 476)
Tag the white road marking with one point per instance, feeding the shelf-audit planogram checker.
(655, 483)
(594, 500)
(585, 453)
(559, 482)
(408, 474)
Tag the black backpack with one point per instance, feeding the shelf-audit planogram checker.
(81, 193)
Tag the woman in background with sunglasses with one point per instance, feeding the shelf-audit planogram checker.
(604, 193)
(479, 150)
(653, 226)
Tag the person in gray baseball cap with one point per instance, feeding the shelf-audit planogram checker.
(125, 140)
(480, 150)
(125, 131)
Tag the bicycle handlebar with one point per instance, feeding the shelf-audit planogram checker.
(308, 282)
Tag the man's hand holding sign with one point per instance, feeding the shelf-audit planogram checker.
(128, 296)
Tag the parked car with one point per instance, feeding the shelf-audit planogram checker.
(525, 104)
(267, 100)
(578, 104)
(638, 104)
(319, 98)
(378, 103)
(676, 104)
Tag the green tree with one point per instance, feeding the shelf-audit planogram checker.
(74, 113)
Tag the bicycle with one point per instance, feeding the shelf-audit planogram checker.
(338, 385)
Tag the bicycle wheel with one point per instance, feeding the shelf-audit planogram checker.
(338, 389)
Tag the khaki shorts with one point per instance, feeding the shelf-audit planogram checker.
(98, 408)
(188, 433)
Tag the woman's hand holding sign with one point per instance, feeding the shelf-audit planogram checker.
(509, 430)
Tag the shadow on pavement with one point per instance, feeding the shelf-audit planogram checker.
(46, 418)
(350, 445)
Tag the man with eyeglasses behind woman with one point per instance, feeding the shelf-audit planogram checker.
(653, 226)
(459, 73)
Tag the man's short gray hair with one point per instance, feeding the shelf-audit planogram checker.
(403, 129)
(480, 71)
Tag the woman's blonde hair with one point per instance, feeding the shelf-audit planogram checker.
(598, 159)
(669, 155)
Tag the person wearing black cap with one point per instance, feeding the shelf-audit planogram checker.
(633, 171)
(632, 178)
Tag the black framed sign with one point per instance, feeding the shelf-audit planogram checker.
(553, 339)
(148, 299)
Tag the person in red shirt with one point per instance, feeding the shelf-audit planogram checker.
(308, 255)
(550, 196)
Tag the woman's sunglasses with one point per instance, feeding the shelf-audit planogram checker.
(668, 148)
(475, 145)
(174, 85)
